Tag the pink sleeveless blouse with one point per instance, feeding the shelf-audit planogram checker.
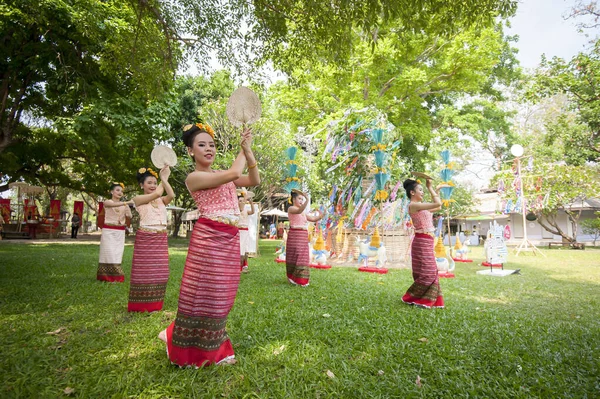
(218, 203)
(423, 221)
(298, 220)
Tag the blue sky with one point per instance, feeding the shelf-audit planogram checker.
(542, 29)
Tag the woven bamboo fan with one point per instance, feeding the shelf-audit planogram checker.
(243, 107)
(162, 155)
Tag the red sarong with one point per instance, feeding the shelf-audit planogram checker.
(426, 290)
(297, 258)
(209, 285)
(149, 271)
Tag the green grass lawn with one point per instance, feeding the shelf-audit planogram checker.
(348, 335)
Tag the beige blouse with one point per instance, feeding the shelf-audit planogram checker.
(153, 213)
(115, 216)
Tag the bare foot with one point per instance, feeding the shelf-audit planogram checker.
(163, 336)
(228, 360)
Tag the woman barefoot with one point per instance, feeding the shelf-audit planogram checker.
(150, 268)
(297, 257)
(112, 241)
(425, 291)
(211, 275)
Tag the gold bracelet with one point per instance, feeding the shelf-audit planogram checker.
(252, 166)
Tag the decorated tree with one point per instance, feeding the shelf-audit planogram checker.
(551, 188)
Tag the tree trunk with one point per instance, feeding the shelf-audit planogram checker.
(178, 216)
(552, 223)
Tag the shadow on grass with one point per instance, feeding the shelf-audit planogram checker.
(347, 335)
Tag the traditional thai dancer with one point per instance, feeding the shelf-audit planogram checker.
(150, 266)
(211, 275)
(243, 226)
(425, 291)
(117, 215)
(297, 256)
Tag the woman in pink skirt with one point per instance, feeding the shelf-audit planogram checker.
(211, 275)
(297, 257)
(150, 267)
(425, 291)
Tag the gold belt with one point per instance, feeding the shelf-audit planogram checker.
(429, 233)
(225, 220)
(152, 230)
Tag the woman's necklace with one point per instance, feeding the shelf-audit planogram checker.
(154, 204)
(116, 208)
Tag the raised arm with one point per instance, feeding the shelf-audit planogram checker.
(113, 204)
(147, 198)
(165, 172)
(436, 205)
(202, 180)
(253, 176)
(314, 218)
(251, 211)
(299, 209)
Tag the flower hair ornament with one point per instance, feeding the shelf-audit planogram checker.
(149, 170)
(119, 184)
(207, 128)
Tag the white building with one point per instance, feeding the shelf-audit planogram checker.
(487, 211)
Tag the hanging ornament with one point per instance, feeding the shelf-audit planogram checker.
(501, 187)
(538, 184)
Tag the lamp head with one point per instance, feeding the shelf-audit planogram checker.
(516, 150)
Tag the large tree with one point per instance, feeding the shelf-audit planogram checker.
(80, 83)
(578, 80)
(435, 90)
(81, 79)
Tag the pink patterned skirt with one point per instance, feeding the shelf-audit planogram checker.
(149, 271)
(297, 258)
(426, 290)
(209, 285)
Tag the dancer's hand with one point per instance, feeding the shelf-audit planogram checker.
(428, 184)
(247, 139)
(165, 172)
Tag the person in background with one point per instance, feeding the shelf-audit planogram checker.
(112, 241)
(243, 226)
(75, 223)
(150, 266)
(297, 257)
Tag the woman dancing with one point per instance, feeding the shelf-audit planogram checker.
(150, 267)
(243, 226)
(425, 291)
(112, 241)
(211, 275)
(297, 257)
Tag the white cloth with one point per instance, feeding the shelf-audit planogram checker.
(112, 244)
(244, 240)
